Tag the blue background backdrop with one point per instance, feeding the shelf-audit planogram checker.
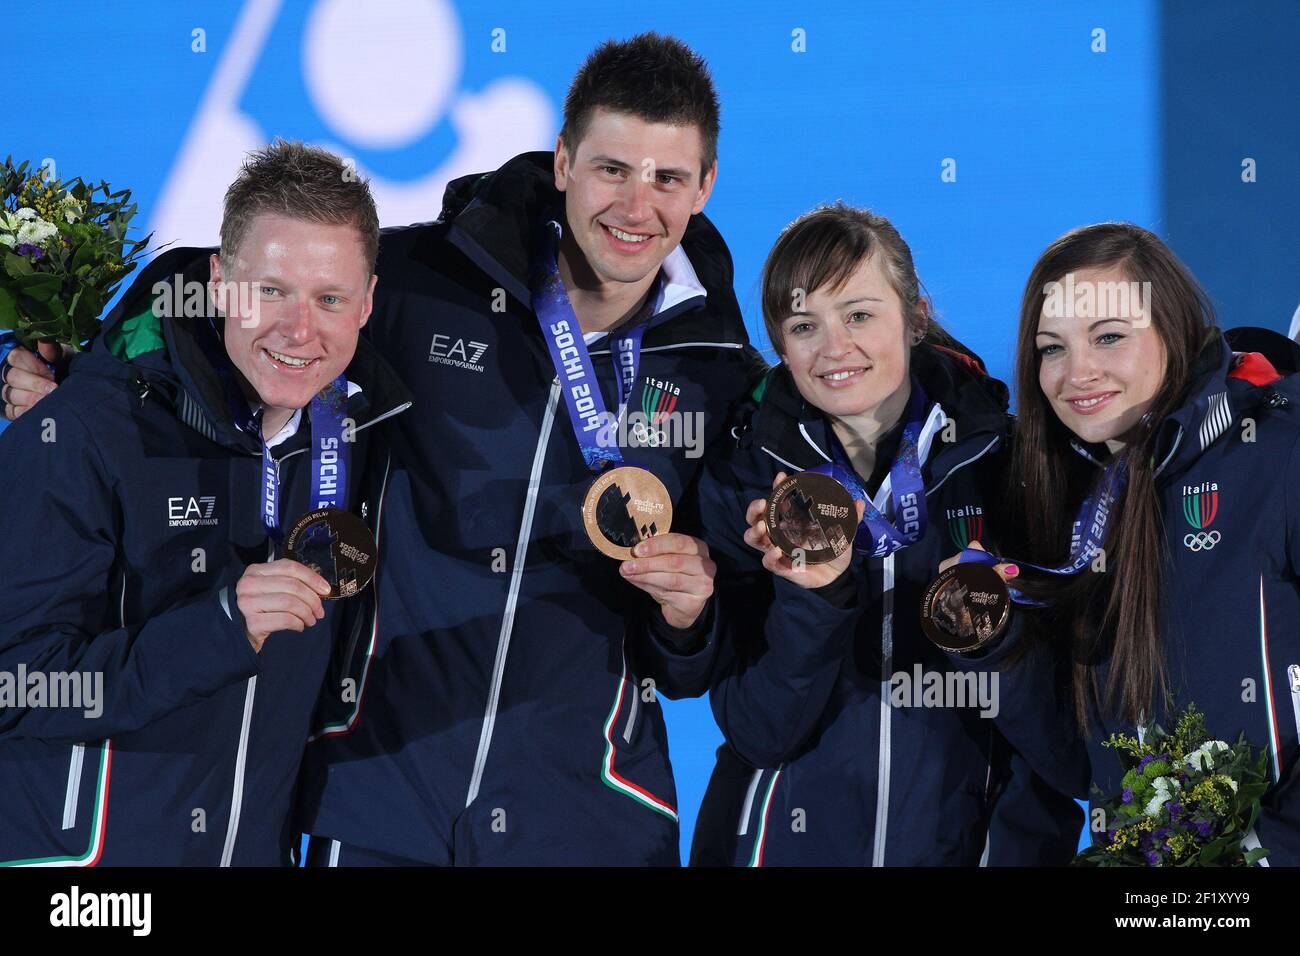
(1046, 132)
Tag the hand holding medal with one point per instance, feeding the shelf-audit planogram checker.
(969, 603)
(805, 528)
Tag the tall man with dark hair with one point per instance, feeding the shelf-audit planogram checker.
(503, 707)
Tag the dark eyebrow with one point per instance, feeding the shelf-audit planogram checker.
(863, 298)
(682, 174)
(1090, 327)
(1103, 322)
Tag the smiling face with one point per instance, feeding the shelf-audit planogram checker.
(303, 291)
(630, 188)
(850, 349)
(1100, 368)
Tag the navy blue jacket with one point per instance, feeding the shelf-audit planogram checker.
(501, 706)
(827, 760)
(1229, 485)
(133, 507)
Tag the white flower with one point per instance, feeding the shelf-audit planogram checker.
(6, 240)
(37, 233)
(1165, 788)
(27, 212)
(71, 209)
(1202, 758)
(1233, 784)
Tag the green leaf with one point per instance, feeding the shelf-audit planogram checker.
(1255, 855)
(39, 285)
(17, 265)
(8, 310)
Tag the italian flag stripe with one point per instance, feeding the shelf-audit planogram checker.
(756, 859)
(98, 823)
(611, 777)
(1268, 686)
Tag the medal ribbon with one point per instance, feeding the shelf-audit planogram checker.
(1086, 536)
(572, 361)
(877, 535)
(329, 455)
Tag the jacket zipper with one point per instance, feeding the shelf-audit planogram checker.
(512, 597)
(883, 753)
(245, 727)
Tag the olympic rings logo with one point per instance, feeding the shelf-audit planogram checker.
(1202, 541)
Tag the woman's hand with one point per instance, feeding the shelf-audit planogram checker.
(1005, 571)
(775, 560)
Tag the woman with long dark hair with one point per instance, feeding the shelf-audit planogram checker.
(1129, 395)
(850, 739)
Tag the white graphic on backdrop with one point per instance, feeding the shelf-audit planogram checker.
(380, 76)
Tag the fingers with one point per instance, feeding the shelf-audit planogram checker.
(688, 573)
(755, 510)
(287, 567)
(671, 543)
(50, 351)
(282, 603)
(21, 359)
(780, 477)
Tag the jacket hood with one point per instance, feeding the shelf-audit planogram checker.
(179, 357)
(797, 433)
(494, 219)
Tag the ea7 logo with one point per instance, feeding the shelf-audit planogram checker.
(190, 512)
(458, 352)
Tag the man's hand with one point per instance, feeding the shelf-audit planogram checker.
(1005, 571)
(280, 596)
(27, 379)
(775, 560)
(675, 570)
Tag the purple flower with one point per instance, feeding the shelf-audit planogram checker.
(1143, 765)
(1175, 809)
(1153, 857)
(1203, 827)
(1128, 795)
(27, 249)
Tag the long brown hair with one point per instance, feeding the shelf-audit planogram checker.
(1117, 611)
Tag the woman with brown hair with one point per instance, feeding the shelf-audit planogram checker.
(850, 739)
(1163, 466)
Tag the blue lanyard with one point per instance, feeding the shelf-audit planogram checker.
(572, 361)
(329, 456)
(878, 536)
(1087, 535)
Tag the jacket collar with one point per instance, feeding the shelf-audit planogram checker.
(966, 419)
(493, 218)
(1215, 400)
(187, 370)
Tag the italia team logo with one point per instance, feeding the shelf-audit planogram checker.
(658, 399)
(965, 524)
(1200, 506)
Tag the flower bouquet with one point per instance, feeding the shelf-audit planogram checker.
(1188, 800)
(63, 252)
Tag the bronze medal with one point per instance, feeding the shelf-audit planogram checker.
(966, 607)
(337, 545)
(812, 516)
(623, 507)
